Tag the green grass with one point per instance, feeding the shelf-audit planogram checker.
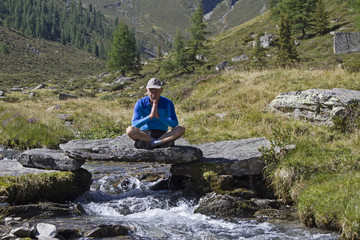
(323, 205)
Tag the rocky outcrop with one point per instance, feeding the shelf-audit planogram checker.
(315, 105)
(122, 149)
(28, 185)
(346, 42)
(236, 157)
(49, 159)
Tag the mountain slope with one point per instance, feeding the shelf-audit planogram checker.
(157, 21)
(27, 61)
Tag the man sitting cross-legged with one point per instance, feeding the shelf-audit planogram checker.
(153, 115)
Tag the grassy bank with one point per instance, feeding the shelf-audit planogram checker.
(321, 175)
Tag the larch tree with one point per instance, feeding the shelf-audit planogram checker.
(259, 52)
(300, 13)
(321, 18)
(122, 55)
(197, 32)
(287, 53)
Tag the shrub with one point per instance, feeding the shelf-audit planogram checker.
(4, 49)
(348, 120)
(352, 65)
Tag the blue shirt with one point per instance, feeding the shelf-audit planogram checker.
(166, 110)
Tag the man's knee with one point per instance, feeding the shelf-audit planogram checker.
(180, 129)
(130, 131)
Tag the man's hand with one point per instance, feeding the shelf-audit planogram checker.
(154, 110)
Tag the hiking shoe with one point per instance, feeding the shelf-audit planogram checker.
(167, 144)
(142, 144)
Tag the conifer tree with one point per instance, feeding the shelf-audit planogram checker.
(197, 32)
(300, 13)
(321, 21)
(259, 52)
(287, 53)
(181, 57)
(122, 56)
(159, 58)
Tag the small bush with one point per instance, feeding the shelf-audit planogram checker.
(4, 49)
(348, 120)
(117, 87)
(352, 66)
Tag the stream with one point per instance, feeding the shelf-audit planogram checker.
(121, 193)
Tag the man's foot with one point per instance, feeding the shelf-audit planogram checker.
(142, 144)
(166, 145)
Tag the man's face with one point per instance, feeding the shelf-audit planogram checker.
(154, 93)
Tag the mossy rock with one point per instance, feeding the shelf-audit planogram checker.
(223, 205)
(56, 187)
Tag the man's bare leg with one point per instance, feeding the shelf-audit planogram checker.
(173, 134)
(135, 134)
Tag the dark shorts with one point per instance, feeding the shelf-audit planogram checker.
(154, 133)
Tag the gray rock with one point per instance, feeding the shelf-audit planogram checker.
(40, 86)
(65, 117)
(266, 40)
(14, 168)
(46, 230)
(49, 159)
(22, 232)
(55, 107)
(315, 105)
(242, 57)
(236, 157)
(223, 205)
(124, 79)
(122, 149)
(16, 89)
(2, 93)
(222, 66)
(201, 58)
(41, 210)
(346, 42)
(106, 231)
(64, 96)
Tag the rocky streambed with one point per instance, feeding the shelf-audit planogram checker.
(219, 194)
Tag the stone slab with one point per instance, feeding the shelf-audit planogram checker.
(235, 157)
(49, 159)
(122, 149)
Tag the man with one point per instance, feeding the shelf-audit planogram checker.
(153, 115)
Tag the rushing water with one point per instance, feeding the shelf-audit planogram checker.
(118, 196)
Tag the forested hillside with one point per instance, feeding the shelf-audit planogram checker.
(66, 22)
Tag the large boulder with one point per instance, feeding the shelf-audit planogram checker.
(346, 42)
(235, 157)
(49, 159)
(315, 105)
(122, 149)
(266, 40)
